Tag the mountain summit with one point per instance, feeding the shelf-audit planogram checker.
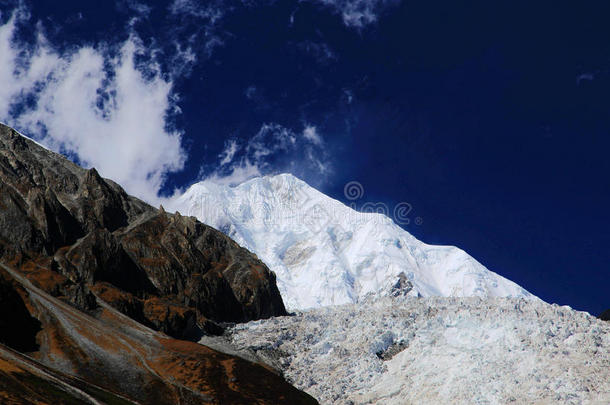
(326, 253)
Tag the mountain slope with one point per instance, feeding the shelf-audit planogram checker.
(106, 357)
(24, 381)
(74, 233)
(324, 252)
(87, 272)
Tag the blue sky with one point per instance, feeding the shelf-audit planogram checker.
(490, 119)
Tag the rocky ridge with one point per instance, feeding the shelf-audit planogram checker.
(88, 269)
(77, 236)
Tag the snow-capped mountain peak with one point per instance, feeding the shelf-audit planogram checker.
(324, 252)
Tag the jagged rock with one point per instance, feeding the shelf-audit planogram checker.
(72, 237)
(58, 227)
(203, 268)
(402, 287)
(96, 233)
(99, 256)
(106, 357)
(108, 210)
(392, 350)
(18, 231)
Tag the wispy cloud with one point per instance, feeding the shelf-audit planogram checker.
(212, 11)
(273, 149)
(208, 14)
(228, 153)
(320, 51)
(358, 13)
(311, 134)
(584, 76)
(251, 92)
(140, 9)
(94, 103)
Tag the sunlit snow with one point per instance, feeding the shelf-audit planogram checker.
(326, 253)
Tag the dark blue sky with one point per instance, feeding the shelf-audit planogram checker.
(490, 118)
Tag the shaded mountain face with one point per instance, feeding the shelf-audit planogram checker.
(77, 236)
(605, 316)
(86, 270)
(18, 329)
(105, 357)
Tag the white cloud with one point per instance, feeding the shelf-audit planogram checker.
(273, 149)
(108, 111)
(16, 76)
(227, 155)
(311, 133)
(238, 173)
(358, 13)
(271, 138)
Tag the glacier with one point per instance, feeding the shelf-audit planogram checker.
(326, 253)
(436, 350)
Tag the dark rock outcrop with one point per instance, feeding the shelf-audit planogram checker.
(18, 328)
(75, 234)
(86, 270)
(402, 287)
(106, 357)
(605, 316)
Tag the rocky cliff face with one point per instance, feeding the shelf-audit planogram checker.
(74, 238)
(104, 357)
(77, 236)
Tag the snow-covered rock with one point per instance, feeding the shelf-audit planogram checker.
(438, 350)
(324, 252)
